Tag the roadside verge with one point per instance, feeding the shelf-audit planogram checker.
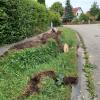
(87, 84)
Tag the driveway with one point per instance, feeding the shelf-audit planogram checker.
(91, 37)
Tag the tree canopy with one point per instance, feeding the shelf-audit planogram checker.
(57, 7)
(94, 9)
(41, 1)
(68, 12)
(83, 18)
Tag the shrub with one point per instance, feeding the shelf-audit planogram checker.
(41, 1)
(57, 7)
(20, 19)
(55, 18)
(98, 16)
(75, 20)
(84, 18)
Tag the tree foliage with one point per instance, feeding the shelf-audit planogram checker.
(41, 1)
(20, 19)
(54, 18)
(83, 18)
(57, 7)
(23, 18)
(98, 16)
(68, 12)
(94, 9)
(91, 18)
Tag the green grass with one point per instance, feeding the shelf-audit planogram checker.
(17, 67)
(49, 91)
(88, 69)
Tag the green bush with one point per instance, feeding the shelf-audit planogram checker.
(55, 18)
(20, 19)
(98, 16)
(75, 20)
(83, 18)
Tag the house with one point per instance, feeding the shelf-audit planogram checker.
(77, 11)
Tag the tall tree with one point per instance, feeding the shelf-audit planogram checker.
(68, 12)
(57, 7)
(98, 16)
(41, 1)
(94, 9)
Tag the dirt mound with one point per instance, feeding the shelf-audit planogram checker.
(40, 39)
(70, 80)
(33, 85)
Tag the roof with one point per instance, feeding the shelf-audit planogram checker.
(76, 9)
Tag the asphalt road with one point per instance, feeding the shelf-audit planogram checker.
(91, 37)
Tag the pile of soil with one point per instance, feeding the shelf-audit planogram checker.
(40, 39)
(33, 84)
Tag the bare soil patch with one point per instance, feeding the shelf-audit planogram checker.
(33, 85)
(40, 39)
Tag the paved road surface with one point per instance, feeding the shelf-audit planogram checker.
(91, 37)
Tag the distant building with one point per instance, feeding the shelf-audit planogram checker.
(77, 11)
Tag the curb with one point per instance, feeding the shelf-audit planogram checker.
(80, 92)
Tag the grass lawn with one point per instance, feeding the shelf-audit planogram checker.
(17, 67)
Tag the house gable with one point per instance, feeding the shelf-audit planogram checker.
(77, 11)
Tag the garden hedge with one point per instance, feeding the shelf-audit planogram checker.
(22, 18)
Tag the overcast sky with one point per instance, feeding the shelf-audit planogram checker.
(84, 4)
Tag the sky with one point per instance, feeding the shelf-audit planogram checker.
(84, 4)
